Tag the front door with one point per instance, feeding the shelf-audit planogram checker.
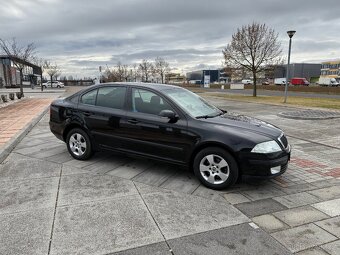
(149, 134)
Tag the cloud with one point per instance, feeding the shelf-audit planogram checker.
(80, 35)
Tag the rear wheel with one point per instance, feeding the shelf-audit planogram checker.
(78, 144)
(215, 168)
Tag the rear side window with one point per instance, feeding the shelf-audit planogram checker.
(111, 97)
(89, 97)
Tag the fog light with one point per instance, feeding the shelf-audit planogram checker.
(275, 170)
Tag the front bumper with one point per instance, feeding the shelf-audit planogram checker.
(264, 166)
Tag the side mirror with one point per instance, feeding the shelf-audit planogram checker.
(169, 114)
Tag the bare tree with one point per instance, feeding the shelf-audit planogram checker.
(135, 72)
(252, 47)
(41, 63)
(161, 68)
(52, 70)
(145, 69)
(19, 55)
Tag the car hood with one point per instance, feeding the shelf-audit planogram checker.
(245, 122)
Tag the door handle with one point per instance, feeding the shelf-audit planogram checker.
(87, 113)
(133, 121)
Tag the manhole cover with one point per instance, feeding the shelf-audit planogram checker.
(310, 115)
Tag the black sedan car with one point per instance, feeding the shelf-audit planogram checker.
(172, 124)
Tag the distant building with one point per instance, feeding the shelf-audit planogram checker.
(301, 70)
(174, 78)
(10, 75)
(330, 69)
(209, 76)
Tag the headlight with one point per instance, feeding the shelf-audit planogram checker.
(266, 147)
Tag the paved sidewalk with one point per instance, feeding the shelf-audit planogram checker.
(113, 204)
(14, 117)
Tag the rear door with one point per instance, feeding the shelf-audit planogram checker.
(103, 110)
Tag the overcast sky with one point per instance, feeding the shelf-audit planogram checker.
(80, 35)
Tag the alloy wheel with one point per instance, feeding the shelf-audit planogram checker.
(214, 169)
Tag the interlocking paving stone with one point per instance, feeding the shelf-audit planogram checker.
(180, 214)
(298, 188)
(156, 175)
(210, 194)
(235, 198)
(152, 249)
(60, 158)
(326, 193)
(313, 251)
(183, 181)
(70, 170)
(263, 192)
(331, 207)
(259, 207)
(298, 199)
(30, 194)
(17, 167)
(131, 169)
(85, 188)
(332, 248)
(301, 215)
(104, 227)
(26, 232)
(234, 240)
(331, 225)
(269, 223)
(106, 164)
(303, 237)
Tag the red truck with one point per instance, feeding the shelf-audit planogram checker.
(299, 81)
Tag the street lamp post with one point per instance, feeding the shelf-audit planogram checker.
(290, 34)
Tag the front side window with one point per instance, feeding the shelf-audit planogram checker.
(148, 102)
(89, 97)
(111, 97)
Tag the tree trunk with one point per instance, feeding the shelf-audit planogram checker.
(254, 84)
(51, 76)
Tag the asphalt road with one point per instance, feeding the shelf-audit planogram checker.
(274, 93)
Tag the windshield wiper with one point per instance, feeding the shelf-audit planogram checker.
(209, 115)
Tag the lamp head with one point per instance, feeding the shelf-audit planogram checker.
(291, 33)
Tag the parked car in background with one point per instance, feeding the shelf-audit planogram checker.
(280, 81)
(247, 82)
(171, 124)
(299, 81)
(324, 81)
(54, 84)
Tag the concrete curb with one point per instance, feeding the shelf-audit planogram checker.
(10, 145)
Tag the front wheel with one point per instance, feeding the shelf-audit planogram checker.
(79, 144)
(215, 168)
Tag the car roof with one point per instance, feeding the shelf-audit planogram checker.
(155, 86)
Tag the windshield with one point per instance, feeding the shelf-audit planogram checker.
(191, 103)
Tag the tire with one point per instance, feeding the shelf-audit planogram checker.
(58, 87)
(79, 144)
(44, 87)
(215, 168)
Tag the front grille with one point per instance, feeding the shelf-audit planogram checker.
(283, 141)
